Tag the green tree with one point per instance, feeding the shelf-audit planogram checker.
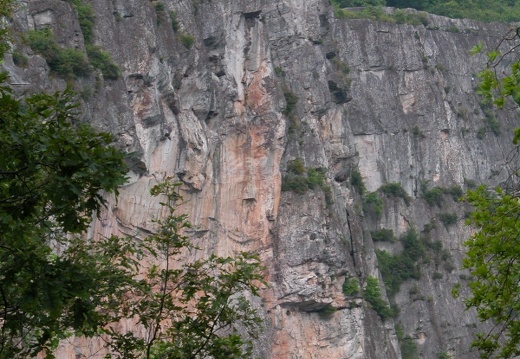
(493, 251)
(492, 256)
(52, 173)
(193, 310)
(355, 3)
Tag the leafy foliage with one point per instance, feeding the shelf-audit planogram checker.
(101, 60)
(20, 59)
(492, 252)
(372, 294)
(410, 18)
(175, 22)
(54, 283)
(383, 235)
(195, 310)
(86, 19)
(327, 312)
(51, 176)
(300, 179)
(6, 6)
(406, 343)
(53, 168)
(357, 181)
(160, 12)
(350, 287)
(416, 131)
(376, 13)
(68, 62)
(434, 196)
(187, 40)
(98, 58)
(483, 10)
(290, 102)
(408, 348)
(455, 192)
(372, 204)
(448, 219)
(395, 269)
(491, 256)
(394, 189)
(63, 62)
(52, 173)
(354, 3)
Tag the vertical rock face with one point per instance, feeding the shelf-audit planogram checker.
(394, 102)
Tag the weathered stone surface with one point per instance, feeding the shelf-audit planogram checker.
(394, 101)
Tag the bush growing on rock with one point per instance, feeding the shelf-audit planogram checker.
(383, 235)
(394, 189)
(63, 62)
(356, 181)
(187, 40)
(372, 204)
(300, 179)
(372, 294)
(448, 219)
(350, 287)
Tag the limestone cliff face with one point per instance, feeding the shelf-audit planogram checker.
(395, 102)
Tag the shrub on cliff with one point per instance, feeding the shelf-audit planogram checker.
(356, 181)
(101, 60)
(350, 287)
(395, 189)
(69, 62)
(372, 294)
(187, 40)
(372, 204)
(383, 235)
(63, 62)
(299, 179)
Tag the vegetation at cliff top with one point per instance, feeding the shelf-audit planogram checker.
(483, 10)
(376, 13)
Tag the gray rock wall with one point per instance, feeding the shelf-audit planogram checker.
(395, 102)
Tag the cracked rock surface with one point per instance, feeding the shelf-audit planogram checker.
(394, 102)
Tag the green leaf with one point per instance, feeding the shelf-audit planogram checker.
(476, 49)
(492, 56)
